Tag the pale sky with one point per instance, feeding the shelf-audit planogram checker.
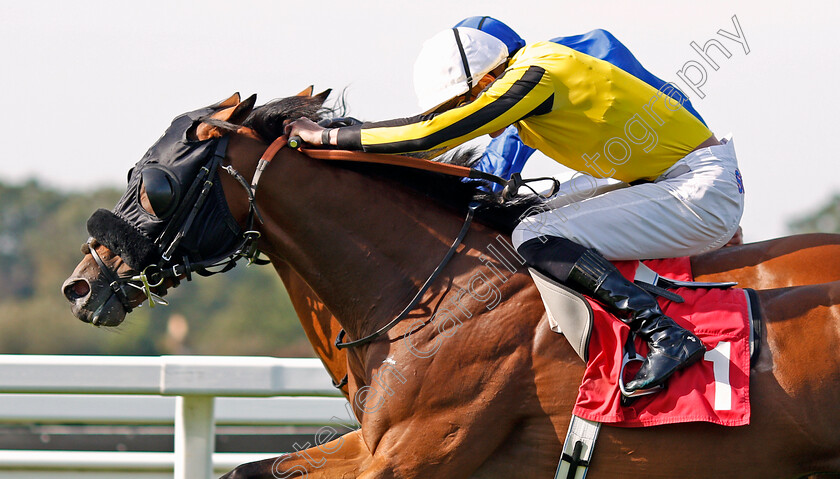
(90, 85)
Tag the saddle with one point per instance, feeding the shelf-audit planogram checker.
(570, 313)
(699, 394)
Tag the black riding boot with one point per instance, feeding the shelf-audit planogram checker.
(671, 346)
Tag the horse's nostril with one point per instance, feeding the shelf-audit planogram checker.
(76, 289)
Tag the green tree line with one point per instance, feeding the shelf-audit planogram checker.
(243, 312)
(824, 219)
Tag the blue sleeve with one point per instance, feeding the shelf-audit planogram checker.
(504, 156)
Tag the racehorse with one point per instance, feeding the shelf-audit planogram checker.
(495, 397)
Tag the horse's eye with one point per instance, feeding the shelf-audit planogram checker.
(160, 190)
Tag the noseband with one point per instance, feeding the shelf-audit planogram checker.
(119, 285)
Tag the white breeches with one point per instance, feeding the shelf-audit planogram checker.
(695, 206)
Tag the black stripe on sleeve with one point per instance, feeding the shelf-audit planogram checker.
(517, 91)
(545, 107)
(349, 138)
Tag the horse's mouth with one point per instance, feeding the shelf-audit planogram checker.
(110, 313)
(93, 306)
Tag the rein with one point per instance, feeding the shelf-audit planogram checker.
(511, 187)
(407, 161)
(418, 163)
(384, 329)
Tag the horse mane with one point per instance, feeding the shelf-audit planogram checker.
(268, 121)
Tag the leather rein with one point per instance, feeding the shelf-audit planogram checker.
(510, 189)
(511, 186)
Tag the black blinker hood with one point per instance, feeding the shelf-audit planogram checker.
(139, 237)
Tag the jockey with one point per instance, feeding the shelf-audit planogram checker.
(506, 154)
(583, 112)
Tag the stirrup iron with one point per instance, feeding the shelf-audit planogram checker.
(631, 355)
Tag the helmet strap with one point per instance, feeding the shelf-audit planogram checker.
(465, 62)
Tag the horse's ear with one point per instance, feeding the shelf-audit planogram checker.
(235, 114)
(232, 101)
(322, 97)
(307, 91)
(242, 110)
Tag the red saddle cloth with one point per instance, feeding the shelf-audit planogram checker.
(715, 389)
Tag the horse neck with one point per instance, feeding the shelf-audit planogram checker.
(363, 246)
(318, 323)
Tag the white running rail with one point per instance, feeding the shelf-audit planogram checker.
(74, 385)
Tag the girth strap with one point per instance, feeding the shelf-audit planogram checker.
(577, 448)
(756, 324)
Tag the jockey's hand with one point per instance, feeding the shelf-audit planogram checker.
(306, 129)
(737, 239)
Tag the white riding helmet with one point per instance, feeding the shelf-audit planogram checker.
(452, 62)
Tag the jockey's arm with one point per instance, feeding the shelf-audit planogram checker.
(518, 93)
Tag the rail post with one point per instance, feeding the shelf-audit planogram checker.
(194, 437)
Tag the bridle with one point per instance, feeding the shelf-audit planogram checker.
(119, 285)
(154, 275)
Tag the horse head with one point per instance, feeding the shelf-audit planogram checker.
(173, 218)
